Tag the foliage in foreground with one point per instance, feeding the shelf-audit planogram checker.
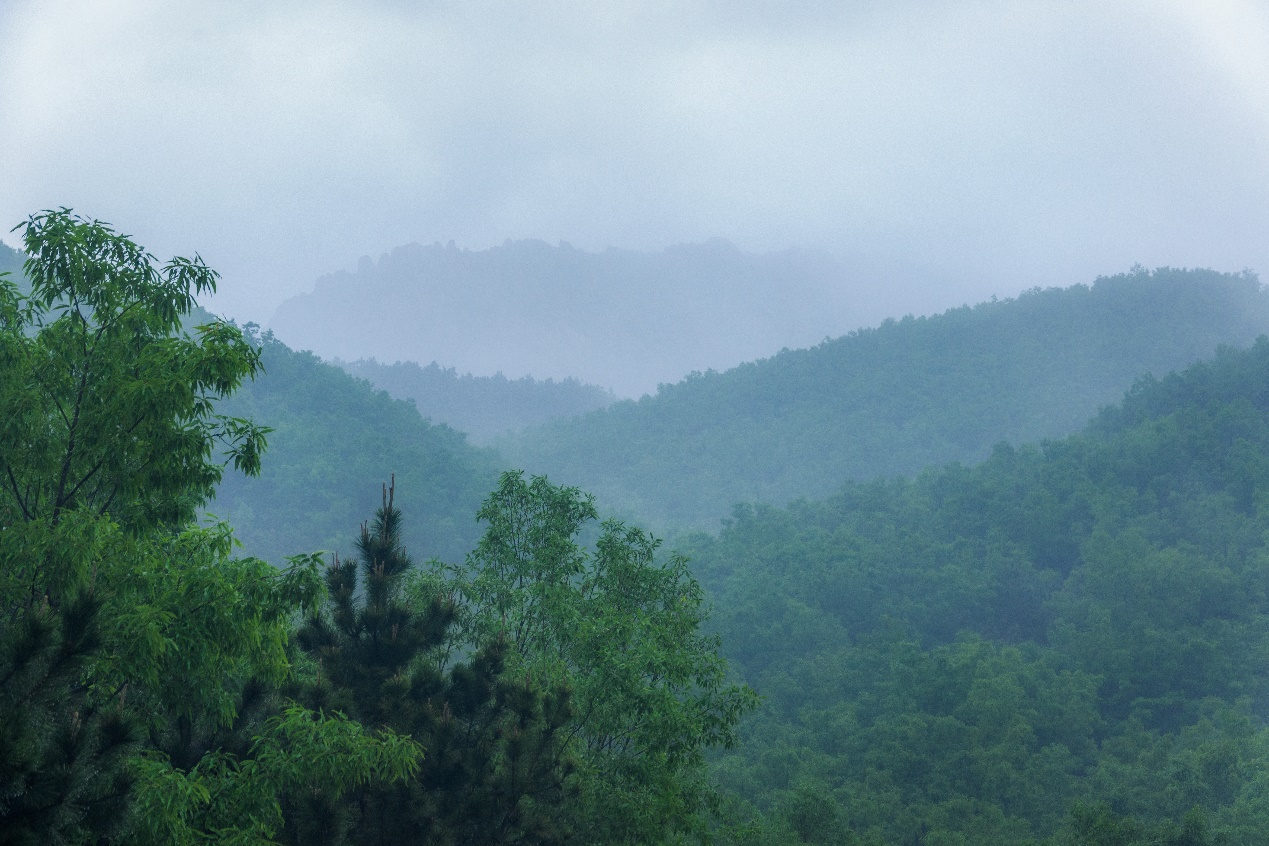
(119, 622)
(621, 629)
(153, 688)
(496, 768)
(1067, 645)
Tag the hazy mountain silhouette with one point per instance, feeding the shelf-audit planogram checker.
(621, 319)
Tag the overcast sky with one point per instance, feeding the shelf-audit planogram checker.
(954, 150)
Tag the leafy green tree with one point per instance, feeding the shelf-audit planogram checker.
(119, 623)
(109, 405)
(623, 631)
(108, 423)
(239, 799)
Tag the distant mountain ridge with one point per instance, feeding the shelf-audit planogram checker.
(892, 400)
(481, 406)
(622, 319)
(11, 260)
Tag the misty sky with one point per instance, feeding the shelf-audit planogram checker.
(949, 150)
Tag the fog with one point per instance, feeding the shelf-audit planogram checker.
(943, 152)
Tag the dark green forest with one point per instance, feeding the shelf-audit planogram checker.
(481, 406)
(968, 656)
(971, 635)
(795, 425)
(894, 399)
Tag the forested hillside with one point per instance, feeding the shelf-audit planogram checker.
(968, 656)
(334, 440)
(894, 399)
(622, 319)
(481, 406)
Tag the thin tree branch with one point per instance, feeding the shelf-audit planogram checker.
(16, 493)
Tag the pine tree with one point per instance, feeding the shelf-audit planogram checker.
(62, 760)
(493, 770)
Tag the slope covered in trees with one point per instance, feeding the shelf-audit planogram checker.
(334, 439)
(894, 399)
(481, 406)
(622, 319)
(1065, 638)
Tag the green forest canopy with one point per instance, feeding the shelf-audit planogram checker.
(891, 400)
(930, 650)
(967, 656)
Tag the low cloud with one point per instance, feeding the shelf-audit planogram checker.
(950, 150)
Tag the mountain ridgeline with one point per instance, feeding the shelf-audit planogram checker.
(894, 399)
(482, 406)
(622, 319)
